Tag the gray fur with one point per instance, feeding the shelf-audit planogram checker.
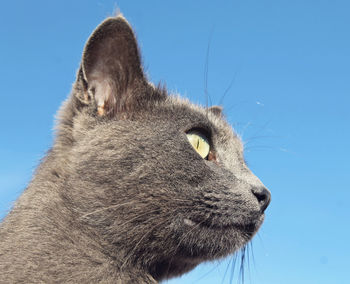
(122, 197)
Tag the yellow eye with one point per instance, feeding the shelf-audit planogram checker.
(199, 142)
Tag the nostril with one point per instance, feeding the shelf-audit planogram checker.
(263, 196)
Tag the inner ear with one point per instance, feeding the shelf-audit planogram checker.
(111, 66)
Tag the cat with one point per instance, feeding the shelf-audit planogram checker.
(139, 185)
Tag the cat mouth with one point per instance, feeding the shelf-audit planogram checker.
(250, 227)
(213, 239)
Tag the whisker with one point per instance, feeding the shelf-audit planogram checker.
(235, 105)
(141, 215)
(228, 88)
(207, 273)
(226, 270)
(106, 208)
(206, 72)
(251, 139)
(241, 268)
(252, 253)
(115, 206)
(261, 128)
(258, 147)
(234, 261)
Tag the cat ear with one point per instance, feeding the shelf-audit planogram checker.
(111, 67)
(216, 110)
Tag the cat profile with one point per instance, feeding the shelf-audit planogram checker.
(139, 185)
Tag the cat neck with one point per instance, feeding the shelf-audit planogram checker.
(74, 253)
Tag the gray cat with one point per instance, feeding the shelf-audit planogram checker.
(139, 186)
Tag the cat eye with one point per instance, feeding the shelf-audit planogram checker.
(199, 142)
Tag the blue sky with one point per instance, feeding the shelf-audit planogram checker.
(289, 62)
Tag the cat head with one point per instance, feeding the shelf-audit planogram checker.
(161, 182)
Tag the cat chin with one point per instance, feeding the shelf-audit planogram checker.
(176, 266)
(199, 241)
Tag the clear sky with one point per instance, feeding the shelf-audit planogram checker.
(289, 64)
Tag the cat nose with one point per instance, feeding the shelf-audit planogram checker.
(263, 196)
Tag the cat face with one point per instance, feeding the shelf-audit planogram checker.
(163, 182)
